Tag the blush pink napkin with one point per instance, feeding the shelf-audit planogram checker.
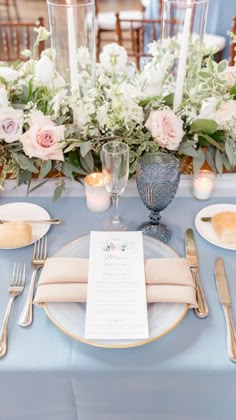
(65, 280)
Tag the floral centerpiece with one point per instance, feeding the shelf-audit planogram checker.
(45, 127)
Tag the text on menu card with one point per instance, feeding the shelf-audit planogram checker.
(116, 299)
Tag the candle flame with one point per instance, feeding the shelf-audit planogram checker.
(189, 3)
(68, 2)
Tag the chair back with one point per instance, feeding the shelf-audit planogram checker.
(9, 10)
(16, 37)
(135, 34)
(232, 51)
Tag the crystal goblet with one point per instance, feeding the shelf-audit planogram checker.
(158, 176)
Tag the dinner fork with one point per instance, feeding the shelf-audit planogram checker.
(16, 288)
(38, 260)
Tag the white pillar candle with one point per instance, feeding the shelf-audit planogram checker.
(203, 184)
(181, 72)
(97, 197)
(72, 45)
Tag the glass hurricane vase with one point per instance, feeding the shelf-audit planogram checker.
(158, 176)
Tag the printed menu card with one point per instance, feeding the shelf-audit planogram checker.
(116, 299)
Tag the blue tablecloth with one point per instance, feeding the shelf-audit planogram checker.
(219, 19)
(185, 375)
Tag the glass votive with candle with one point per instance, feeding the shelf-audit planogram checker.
(97, 197)
(203, 184)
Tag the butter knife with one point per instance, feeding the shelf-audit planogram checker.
(50, 221)
(192, 259)
(224, 295)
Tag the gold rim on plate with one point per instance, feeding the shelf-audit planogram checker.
(112, 346)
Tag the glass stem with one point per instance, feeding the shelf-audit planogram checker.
(115, 217)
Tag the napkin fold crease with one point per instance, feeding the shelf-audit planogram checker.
(64, 279)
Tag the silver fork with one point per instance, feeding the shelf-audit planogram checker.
(38, 260)
(16, 288)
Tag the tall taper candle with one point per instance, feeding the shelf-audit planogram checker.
(72, 45)
(183, 57)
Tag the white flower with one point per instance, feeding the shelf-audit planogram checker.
(26, 53)
(3, 97)
(11, 121)
(229, 76)
(226, 112)
(102, 115)
(208, 108)
(152, 81)
(113, 58)
(8, 74)
(43, 34)
(43, 71)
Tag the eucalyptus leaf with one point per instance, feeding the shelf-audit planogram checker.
(85, 148)
(219, 162)
(45, 169)
(25, 163)
(198, 160)
(222, 66)
(87, 162)
(58, 192)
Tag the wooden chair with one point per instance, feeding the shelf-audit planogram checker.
(18, 36)
(106, 24)
(9, 10)
(138, 32)
(232, 51)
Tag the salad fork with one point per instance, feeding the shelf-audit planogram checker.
(38, 260)
(16, 288)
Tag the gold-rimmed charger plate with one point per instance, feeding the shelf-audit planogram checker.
(70, 317)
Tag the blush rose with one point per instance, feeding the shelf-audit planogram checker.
(11, 121)
(166, 128)
(43, 137)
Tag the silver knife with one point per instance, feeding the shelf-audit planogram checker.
(192, 258)
(223, 292)
(50, 221)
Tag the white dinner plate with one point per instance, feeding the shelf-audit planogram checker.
(26, 211)
(206, 229)
(70, 317)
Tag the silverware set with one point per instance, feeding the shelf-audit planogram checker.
(222, 287)
(16, 288)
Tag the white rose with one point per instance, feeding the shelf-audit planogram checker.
(44, 71)
(11, 121)
(8, 74)
(113, 58)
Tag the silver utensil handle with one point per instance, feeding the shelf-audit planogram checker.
(231, 337)
(202, 311)
(3, 333)
(50, 221)
(26, 316)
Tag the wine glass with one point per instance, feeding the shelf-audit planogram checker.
(115, 168)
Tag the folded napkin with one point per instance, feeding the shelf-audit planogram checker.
(65, 280)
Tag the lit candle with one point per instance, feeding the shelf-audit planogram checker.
(203, 184)
(72, 45)
(97, 197)
(181, 72)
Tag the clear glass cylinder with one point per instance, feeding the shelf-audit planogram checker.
(73, 38)
(184, 21)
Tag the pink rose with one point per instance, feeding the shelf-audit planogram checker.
(226, 112)
(166, 128)
(229, 75)
(43, 137)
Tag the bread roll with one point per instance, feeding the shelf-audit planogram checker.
(225, 226)
(15, 234)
